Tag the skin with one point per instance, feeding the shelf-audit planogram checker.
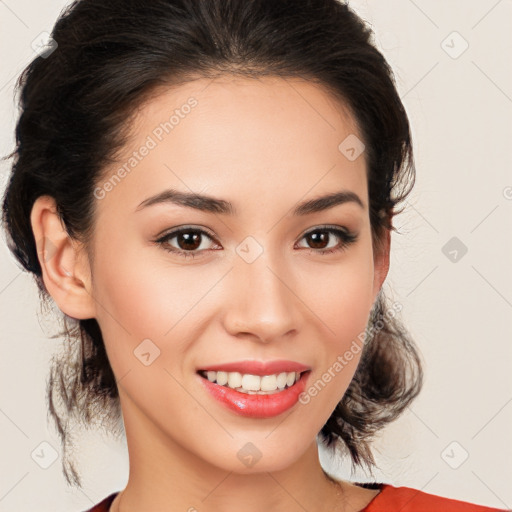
(264, 145)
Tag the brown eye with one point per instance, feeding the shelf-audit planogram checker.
(319, 239)
(188, 242)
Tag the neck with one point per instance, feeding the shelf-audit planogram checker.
(333, 502)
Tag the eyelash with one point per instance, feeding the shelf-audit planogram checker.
(346, 237)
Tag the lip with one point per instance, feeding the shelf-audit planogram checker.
(258, 367)
(256, 406)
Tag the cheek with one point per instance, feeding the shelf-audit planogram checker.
(341, 295)
(149, 299)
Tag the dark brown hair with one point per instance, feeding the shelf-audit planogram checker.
(75, 104)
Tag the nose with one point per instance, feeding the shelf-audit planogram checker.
(262, 302)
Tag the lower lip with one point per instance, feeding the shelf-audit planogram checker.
(257, 406)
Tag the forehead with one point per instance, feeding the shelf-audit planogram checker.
(252, 135)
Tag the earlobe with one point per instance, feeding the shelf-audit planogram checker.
(65, 270)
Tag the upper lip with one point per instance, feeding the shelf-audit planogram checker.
(258, 367)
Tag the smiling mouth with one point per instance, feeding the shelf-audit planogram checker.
(253, 384)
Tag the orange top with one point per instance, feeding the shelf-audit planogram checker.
(390, 499)
(406, 499)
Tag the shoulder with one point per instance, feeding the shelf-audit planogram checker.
(104, 505)
(407, 499)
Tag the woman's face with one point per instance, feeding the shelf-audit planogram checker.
(259, 287)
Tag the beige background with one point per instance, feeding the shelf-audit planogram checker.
(459, 312)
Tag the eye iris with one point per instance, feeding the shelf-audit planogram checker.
(189, 238)
(318, 235)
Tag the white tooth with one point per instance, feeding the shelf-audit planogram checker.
(234, 379)
(265, 384)
(222, 378)
(268, 383)
(281, 380)
(251, 382)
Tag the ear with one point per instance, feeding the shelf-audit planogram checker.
(64, 263)
(381, 262)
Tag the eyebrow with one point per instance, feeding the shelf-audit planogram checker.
(213, 205)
